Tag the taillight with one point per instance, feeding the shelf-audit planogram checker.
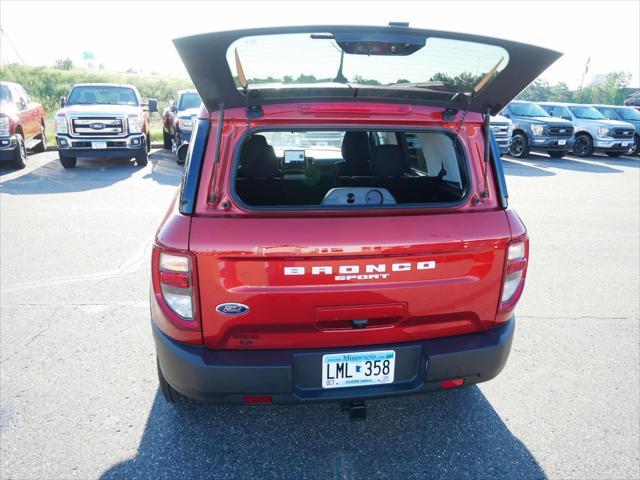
(175, 283)
(175, 290)
(515, 273)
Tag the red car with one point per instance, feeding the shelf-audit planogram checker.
(22, 125)
(342, 231)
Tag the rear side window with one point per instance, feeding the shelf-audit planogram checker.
(350, 169)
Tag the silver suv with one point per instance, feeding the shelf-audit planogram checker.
(594, 132)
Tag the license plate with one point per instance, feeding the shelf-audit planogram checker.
(625, 144)
(98, 145)
(562, 142)
(358, 369)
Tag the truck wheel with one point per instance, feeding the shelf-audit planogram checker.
(557, 154)
(19, 153)
(169, 393)
(583, 147)
(42, 146)
(519, 146)
(615, 154)
(142, 159)
(166, 139)
(68, 162)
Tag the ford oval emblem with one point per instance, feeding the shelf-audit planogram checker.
(232, 308)
(97, 126)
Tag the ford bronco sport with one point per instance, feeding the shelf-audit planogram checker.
(100, 120)
(340, 235)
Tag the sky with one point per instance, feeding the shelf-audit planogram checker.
(137, 34)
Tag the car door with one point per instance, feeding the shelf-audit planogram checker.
(28, 114)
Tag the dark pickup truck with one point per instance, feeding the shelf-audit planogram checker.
(534, 130)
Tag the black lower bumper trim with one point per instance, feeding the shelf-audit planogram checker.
(291, 376)
(105, 153)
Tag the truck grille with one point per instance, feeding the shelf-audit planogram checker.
(622, 133)
(560, 131)
(500, 130)
(98, 127)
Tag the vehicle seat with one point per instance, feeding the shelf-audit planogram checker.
(356, 154)
(258, 178)
(388, 166)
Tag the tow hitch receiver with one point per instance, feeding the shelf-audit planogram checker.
(356, 410)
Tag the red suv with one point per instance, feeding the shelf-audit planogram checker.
(341, 231)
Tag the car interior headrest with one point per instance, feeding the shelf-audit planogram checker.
(258, 159)
(355, 147)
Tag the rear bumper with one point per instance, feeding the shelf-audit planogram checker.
(291, 376)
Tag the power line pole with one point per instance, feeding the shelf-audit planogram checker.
(586, 69)
(5, 38)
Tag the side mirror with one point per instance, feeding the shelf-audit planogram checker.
(568, 118)
(153, 105)
(182, 152)
(505, 115)
(63, 101)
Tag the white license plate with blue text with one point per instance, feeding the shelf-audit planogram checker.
(358, 369)
(98, 145)
(562, 142)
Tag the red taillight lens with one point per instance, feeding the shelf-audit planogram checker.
(515, 272)
(176, 284)
(178, 280)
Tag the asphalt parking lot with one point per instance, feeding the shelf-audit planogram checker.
(78, 381)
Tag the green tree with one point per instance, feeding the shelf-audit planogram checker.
(64, 64)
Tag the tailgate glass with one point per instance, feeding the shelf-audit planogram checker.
(352, 169)
(376, 60)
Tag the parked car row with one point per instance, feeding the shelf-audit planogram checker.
(558, 129)
(95, 120)
(111, 120)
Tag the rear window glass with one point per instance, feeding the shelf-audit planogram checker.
(375, 60)
(350, 169)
